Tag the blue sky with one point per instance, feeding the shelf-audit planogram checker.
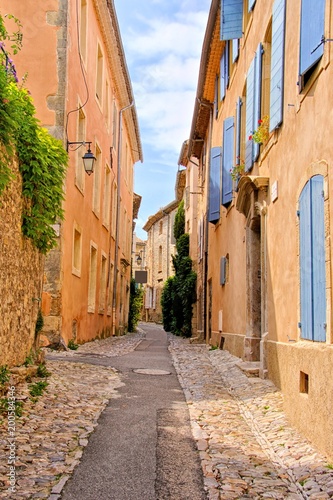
(162, 40)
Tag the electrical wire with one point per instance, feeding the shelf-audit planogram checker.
(82, 71)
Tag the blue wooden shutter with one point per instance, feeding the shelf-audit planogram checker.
(228, 159)
(318, 259)
(214, 185)
(257, 97)
(251, 4)
(238, 130)
(305, 262)
(312, 31)
(223, 83)
(235, 49)
(312, 261)
(231, 19)
(277, 64)
(249, 117)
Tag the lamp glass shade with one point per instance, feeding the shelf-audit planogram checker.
(88, 162)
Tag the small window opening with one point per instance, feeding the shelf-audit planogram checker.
(304, 383)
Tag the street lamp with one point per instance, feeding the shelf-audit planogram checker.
(88, 158)
(139, 260)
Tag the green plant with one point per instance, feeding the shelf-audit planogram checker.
(236, 171)
(72, 345)
(30, 359)
(38, 388)
(261, 134)
(42, 159)
(42, 371)
(179, 224)
(213, 347)
(4, 374)
(329, 466)
(39, 322)
(135, 305)
(4, 407)
(167, 304)
(178, 292)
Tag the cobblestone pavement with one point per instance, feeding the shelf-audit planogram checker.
(246, 446)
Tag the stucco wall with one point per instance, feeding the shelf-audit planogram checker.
(310, 411)
(20, 280)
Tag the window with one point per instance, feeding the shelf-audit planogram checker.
(253, 108)
(102, 290)
(81, 135)
(107, 196)
(77, 251)
(114, 209)
(224, 72)
(231, 19)
(114, 125)
(161, 227)
(99, 74)
(107, 104)
(238, 160)
(235, 50)
(97, 182)
(92, 278)
(277, 64)
(311, 34)
(312, 260)
(228, 160)
(160, 257)
(83, 30)
(215, 186)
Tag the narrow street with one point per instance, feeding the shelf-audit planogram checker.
(150, 416)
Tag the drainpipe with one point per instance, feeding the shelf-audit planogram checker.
(116, 252)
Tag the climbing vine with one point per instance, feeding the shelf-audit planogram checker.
(42, 159)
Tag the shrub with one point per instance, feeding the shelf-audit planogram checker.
(135, 305)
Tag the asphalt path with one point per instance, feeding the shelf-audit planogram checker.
(142, 448)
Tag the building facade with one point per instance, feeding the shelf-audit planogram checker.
(78, 78)
(261, 138)
(161, 246)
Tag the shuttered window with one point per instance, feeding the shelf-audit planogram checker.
(231, 19)
(228, 160)
(312, 260)
(251, 4)
(238, 130)
(235, 49)
(253, 107)
(224, 72)
(215, 185)
(277, 64)
(312, 31)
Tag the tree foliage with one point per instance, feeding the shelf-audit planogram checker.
(179, 291)
(135, 305)
(179, 225)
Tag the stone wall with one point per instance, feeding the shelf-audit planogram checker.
(20, 279)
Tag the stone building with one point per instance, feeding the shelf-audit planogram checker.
(78, 78)
(262, 114)
(161, 246)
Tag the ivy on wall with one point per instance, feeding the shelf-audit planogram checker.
(42, 158)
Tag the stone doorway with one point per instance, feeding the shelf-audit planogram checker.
(250, 202)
